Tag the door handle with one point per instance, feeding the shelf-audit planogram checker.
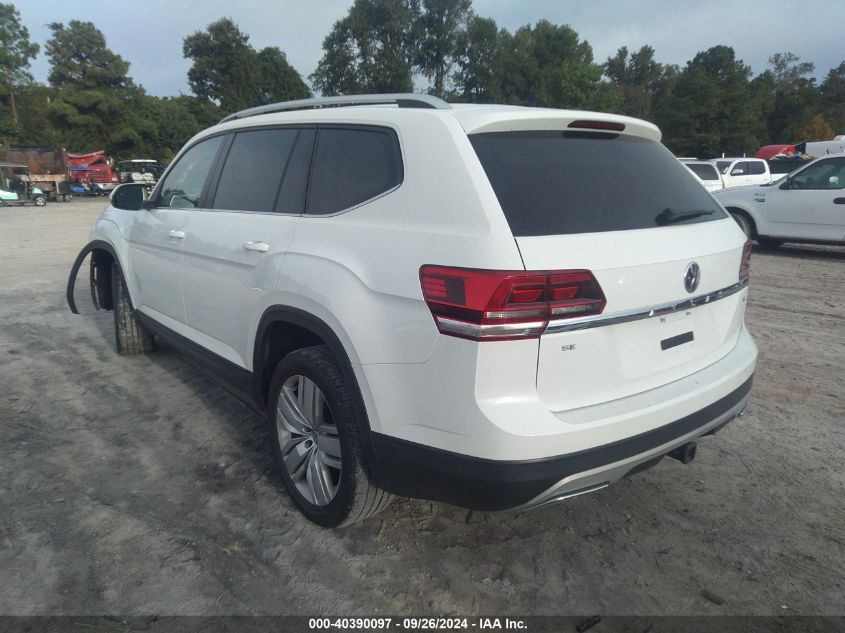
(839, 201)
(261, 247)
(177, 234)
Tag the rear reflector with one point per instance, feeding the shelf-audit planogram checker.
(501, 305)
(597, 125)
(745, 262)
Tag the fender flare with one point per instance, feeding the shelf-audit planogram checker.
(77, 263)
(301, 318)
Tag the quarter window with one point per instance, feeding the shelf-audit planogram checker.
(351, 166)
(184, 184)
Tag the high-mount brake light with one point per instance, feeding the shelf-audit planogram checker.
(483, 305)
(745, 262)
(597, 125)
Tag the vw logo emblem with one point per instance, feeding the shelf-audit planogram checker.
(692, 276)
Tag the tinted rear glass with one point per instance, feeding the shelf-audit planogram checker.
(723, 165)
(705, 172)
(553, 183)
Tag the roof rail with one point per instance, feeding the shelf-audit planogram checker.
(401, 99)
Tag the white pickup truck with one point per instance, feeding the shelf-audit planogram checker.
(739, 172)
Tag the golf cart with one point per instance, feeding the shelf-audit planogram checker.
(16, 190)
(144, 171)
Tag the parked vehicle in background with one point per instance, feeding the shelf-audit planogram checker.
(16, 189)
(808, 205)
(739, 172)
(823, 148)
(552, 304)
(707, 173)
(46, 165)
(145, 171)
(93, 170)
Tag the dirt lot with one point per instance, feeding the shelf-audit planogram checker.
(138, 486)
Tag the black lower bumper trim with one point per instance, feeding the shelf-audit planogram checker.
(415, 470)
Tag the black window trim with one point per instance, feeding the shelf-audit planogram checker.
(354, 126)
(224, 154)
(213, 179)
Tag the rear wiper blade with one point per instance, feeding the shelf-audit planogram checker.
(670, 216)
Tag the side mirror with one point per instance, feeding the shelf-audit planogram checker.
(129, 197)
(737, 172)
(834, 182)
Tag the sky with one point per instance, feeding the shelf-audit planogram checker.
(148, 33)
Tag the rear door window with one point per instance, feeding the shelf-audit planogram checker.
(352, 165)
(756, 168)
(554, 183)
(705, 172)
(262, 167)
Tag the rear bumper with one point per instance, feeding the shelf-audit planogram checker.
(415, 470)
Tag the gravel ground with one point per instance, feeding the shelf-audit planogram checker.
(138, 486)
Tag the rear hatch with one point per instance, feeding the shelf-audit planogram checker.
(621, 206)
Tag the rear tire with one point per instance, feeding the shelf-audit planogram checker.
(317, 440)
(40, 201)
(744, 223)
(129, 334)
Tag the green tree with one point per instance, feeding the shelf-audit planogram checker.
(710, 110)
(638, 77)
(16, 51)
(796, 98)
(816, 129)
(228, 70)
(548, 65)
(371, 50)
(476, 53)
(95, 103)
(441, 24)
(832, 97)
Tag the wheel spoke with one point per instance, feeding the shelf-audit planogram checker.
(296, 452)
(329, 444)
(319, 480)
(289, 412)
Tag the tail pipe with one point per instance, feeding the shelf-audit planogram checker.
(684, 454)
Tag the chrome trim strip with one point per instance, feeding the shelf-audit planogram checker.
(637, 314)
(490, 331)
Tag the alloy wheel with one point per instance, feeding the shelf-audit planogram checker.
(308, 440)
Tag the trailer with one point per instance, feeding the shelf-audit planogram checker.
(46, 166)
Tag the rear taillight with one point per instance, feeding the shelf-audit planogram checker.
(745, 263)
(484, 305)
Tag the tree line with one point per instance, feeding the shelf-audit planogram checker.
(711, 104)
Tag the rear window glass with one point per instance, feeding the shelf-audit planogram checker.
(723, 165)
(351, 166)
(705, 172)
(553, 183)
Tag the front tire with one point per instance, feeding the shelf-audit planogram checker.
(317, 441)
(129, 334)
(40, 201)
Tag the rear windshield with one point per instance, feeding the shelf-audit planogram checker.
(554, 183)
(705, 172)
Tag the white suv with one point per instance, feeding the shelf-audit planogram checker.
(490, 306)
